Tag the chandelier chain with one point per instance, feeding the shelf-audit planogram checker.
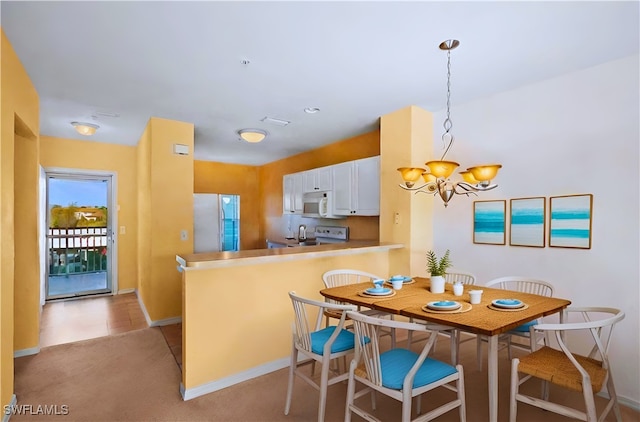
(447, 138)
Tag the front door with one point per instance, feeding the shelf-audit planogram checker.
(79, 234)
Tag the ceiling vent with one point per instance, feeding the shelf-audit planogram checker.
(273, 121)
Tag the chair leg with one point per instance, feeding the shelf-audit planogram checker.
(455, 346)
(613, 396)
(406, 406)
(513, 403)
(292, 370)
(545, 390)
(351, 390)
(461, 394)
(324, 384)
(590, 404)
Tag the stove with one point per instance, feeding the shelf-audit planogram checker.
(331, 234)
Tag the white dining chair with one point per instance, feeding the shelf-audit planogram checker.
(564, 367)
(347, 276)
(398, 373)
(454, 275)
(317, 344)
(451, 276)
(523, 285)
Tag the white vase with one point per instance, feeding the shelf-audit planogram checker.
(437, 284)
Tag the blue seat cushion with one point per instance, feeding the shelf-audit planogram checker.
(344, 341)
(524, 328)
(396, 363)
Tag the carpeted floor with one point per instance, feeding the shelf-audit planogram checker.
(134, 377)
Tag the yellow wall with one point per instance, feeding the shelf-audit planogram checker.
(234, 179)
(362, 146)
(144, 232)
(256, 310)
(19, 114)
(26, 271)
(98, 156)
(406, 136)
(165, 210)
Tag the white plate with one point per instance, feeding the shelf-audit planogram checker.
(507, 303)
(443, 305)
(378, 292)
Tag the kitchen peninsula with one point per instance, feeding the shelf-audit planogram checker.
(236, 314)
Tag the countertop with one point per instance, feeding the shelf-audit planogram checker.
(256, 256)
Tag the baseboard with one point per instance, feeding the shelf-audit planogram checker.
(7, 409)
(26, 352)
(166, 321)
(624, 401)
(160, 322)
(629, 403)
(125, 291)
(210, 387)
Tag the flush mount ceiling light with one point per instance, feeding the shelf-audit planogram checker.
(311, 110)
(252, 135)
(86, 129)
(476, 179)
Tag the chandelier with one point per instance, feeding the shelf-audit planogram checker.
(436, 177)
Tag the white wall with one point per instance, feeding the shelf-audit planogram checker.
(570, 135)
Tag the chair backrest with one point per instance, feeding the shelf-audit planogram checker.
(592, 321)
(343, 277)
(522, 284)
(453, 275)
(304, 309)
(367, 344)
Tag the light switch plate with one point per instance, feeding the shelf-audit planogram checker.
(184, 235)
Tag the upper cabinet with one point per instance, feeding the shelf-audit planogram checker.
(316, 180)
(357, 187)
(292, 193)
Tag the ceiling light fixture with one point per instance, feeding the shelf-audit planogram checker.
(311, 110)
(476, 179)
(86, 129)
(252, 135)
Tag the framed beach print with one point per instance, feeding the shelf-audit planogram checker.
(570, 222)
(527, 218)
(489, 222)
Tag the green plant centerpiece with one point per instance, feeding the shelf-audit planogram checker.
(438, 268)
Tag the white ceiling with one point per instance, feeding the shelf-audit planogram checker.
(356, 61)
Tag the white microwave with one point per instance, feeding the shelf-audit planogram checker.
(317, 205)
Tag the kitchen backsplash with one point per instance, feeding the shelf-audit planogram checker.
(360, 228)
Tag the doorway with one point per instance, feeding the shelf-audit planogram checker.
(80, 244)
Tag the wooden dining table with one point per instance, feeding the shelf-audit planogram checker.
(480, 319)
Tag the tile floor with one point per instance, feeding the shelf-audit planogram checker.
(82, 319)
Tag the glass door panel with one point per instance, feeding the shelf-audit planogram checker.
(78, 235)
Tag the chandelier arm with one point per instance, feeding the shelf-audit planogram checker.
(475, 188)
(427, 187)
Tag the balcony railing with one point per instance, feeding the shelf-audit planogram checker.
(77, 250)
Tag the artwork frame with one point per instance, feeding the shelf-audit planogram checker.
(527, 222)
(489, 222)
(570, 221)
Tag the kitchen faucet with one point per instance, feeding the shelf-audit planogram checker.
(302, 233)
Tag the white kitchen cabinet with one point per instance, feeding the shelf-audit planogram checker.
(317, 180)
(356, 190)
(292, 193)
